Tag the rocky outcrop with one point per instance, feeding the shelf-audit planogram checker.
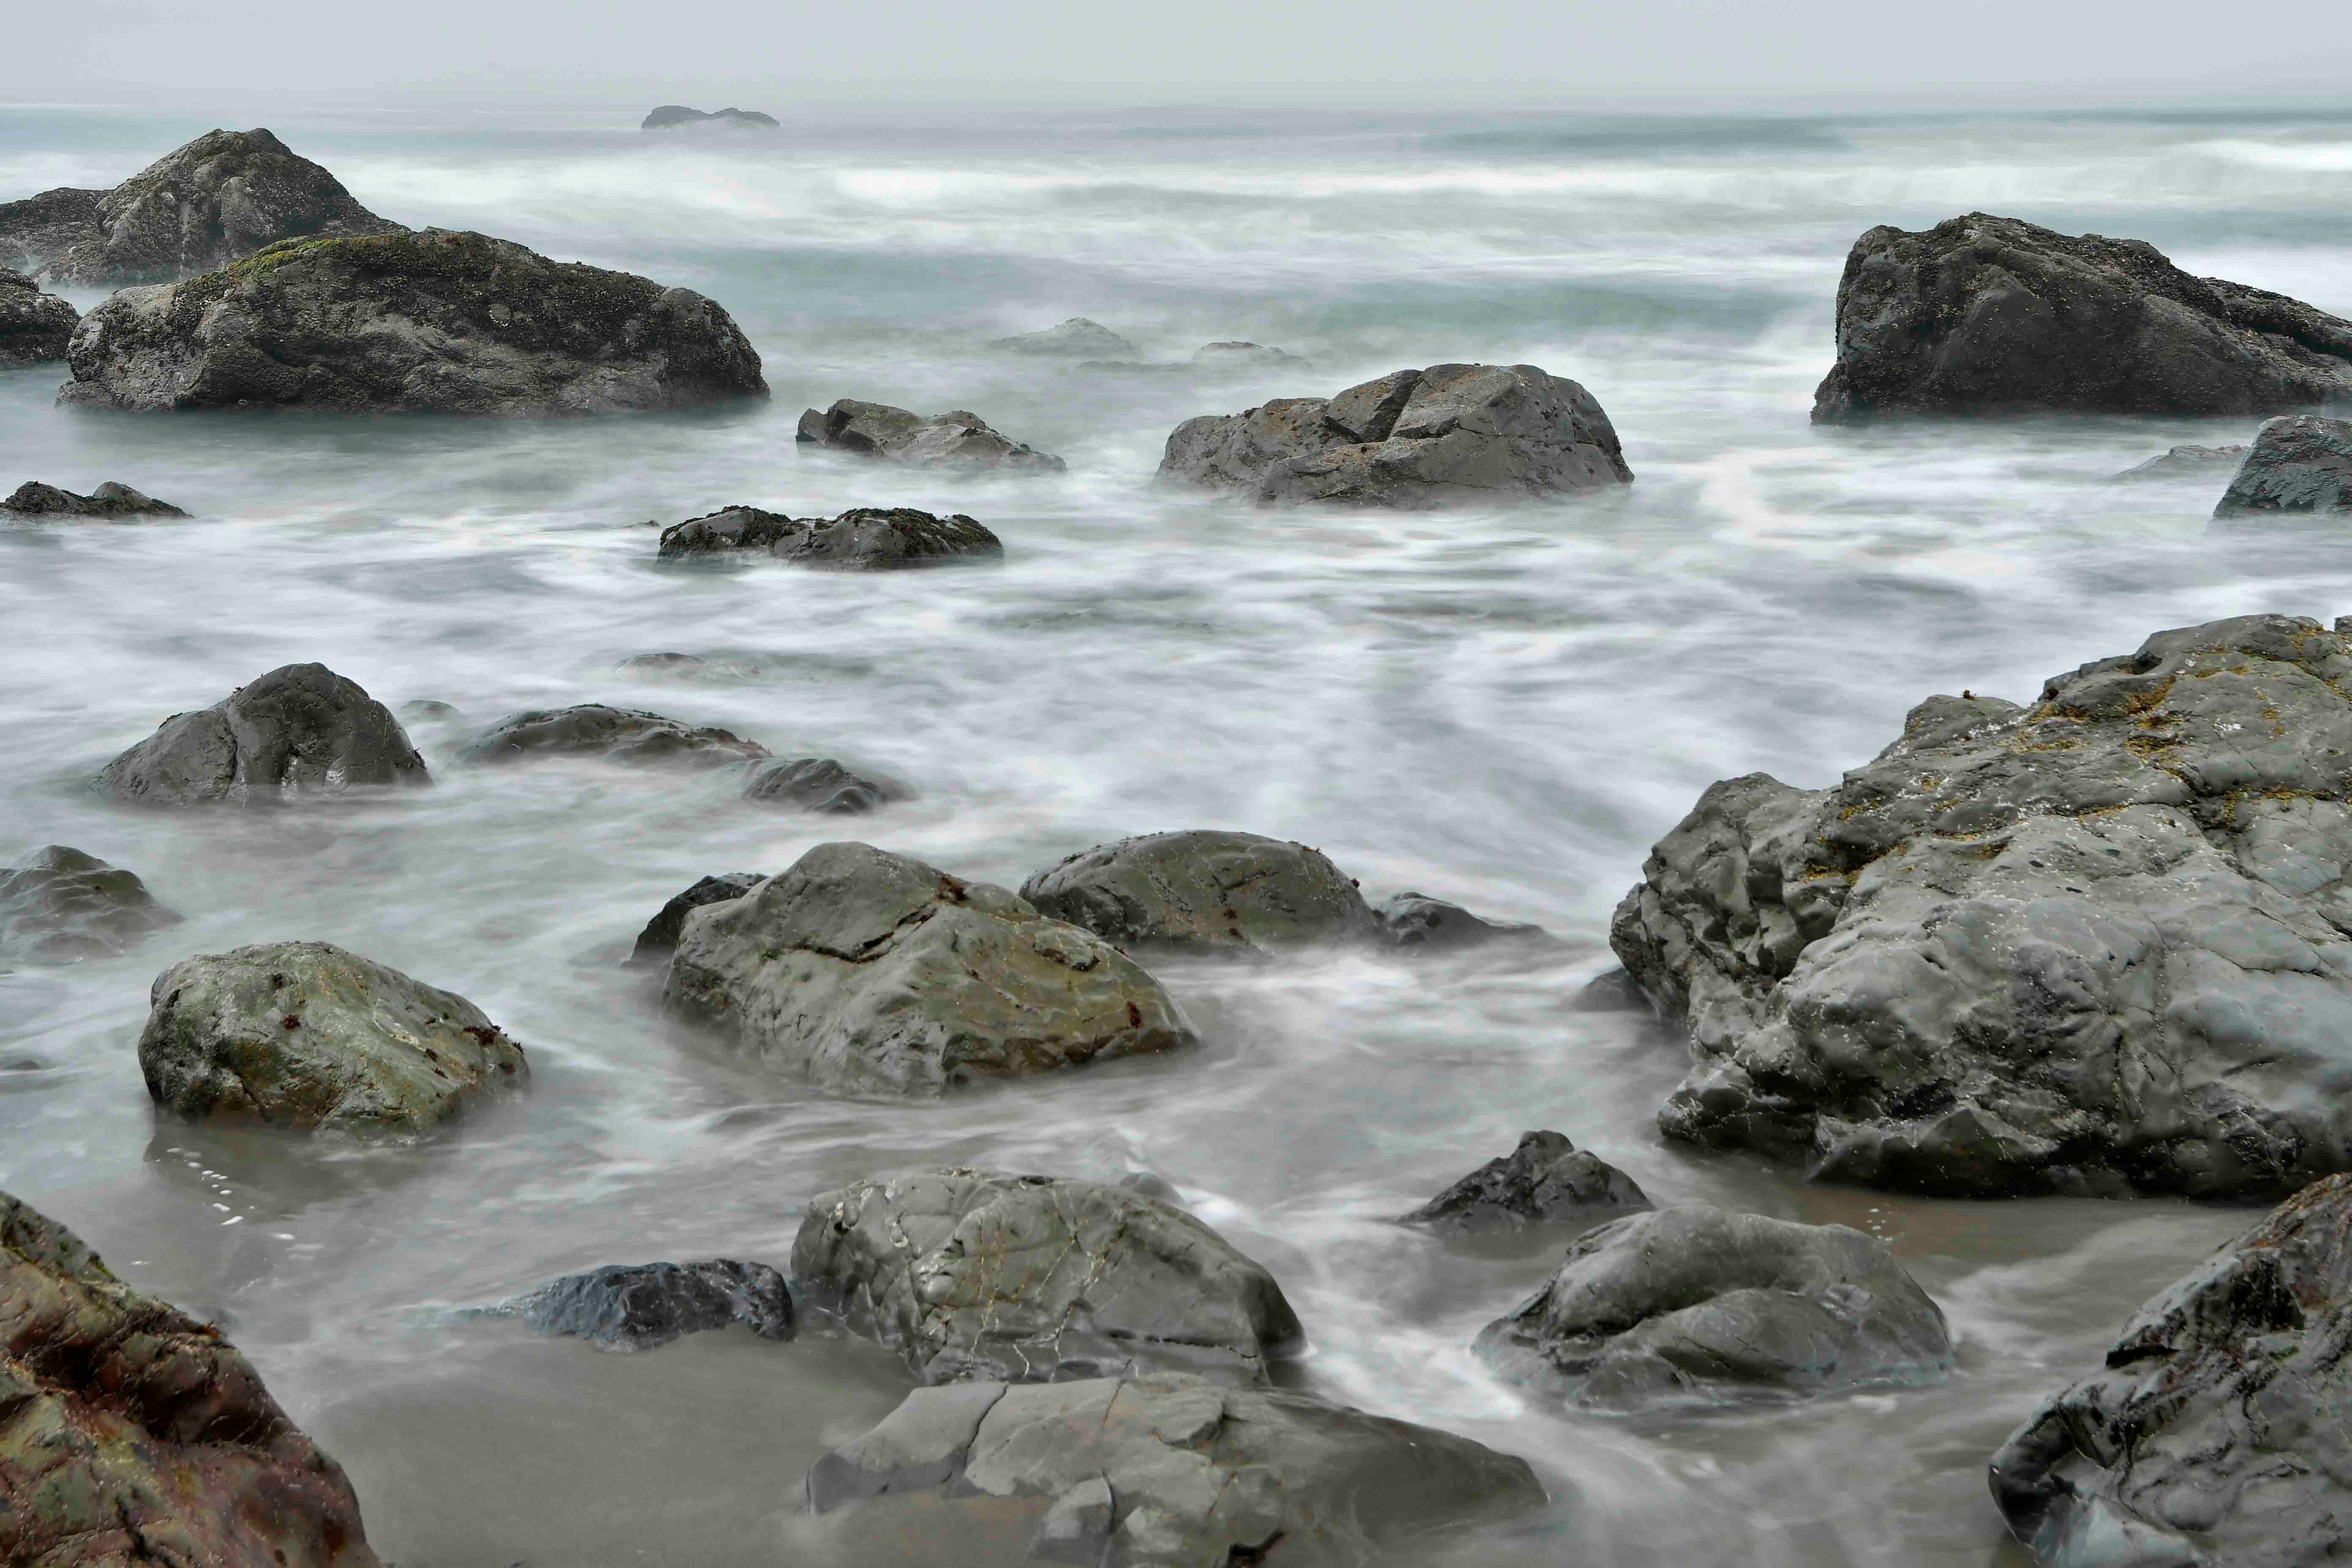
(299, 731)
(1696, 1306)
(659, 939)
(220, 198)
(957, 438)
(47, 502)
(2215, 1433)
(2088, 945)
(304, 1036)
(625, 735)
(1433, 925)
(975, 1275)
(1547, 1180)
(1992, 315)
(1206, 891)
(136, 1434)
(644, 1306)
(58, 905)
(821, 785)
(673, 116)
(1413, 440)
(440, 323)
(2183, 463)
(33, 326)
(2300, 463)
(1076, 338)
(868, 972)
(863, 538)
(1246, 356)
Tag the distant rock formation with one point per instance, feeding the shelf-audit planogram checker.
(956, 439)
(671, 116)
(1243, 356)
(1076, 338)
(33, 326)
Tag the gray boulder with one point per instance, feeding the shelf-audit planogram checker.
(2091, 945)
(821, 785)
(1992, 315)
(2300, 463)
(47, 502)
(299, 731)
(1418, 921)
(677, 116)
(957, 438)
(1206, 891)
(863, 538)
(1695, 1306)
(974, 1275)
(2215, 1433)
(659, 939)
(644, 1306)
(1076, 338)
(305, 1036)
(439, 323)
(33, 326)
(872, 972)
(2183, 463)
(607, 734)
(1414, 441)
(1166, 1471)
(58, 905)
(1547, 1180)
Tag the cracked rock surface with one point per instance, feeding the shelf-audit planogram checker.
(300, 730)
(642, 1306)
(1166, 1471)
(2300, 463)
(863, 538)
(33, 326)
(627, 735)
(1547, 1180)
(131, 1434)
(981, 1274)
(1208, 891)
(875, 974)
(58, 905)
(1699, 1306)
(2093, 944)
(958, 439)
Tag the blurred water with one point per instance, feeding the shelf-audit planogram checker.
(1504, 708)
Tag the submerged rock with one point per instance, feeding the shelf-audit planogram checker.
(1547, 1180)
(34, 499)
(1993, 315)
(301, 730)
(1206, 891)
(819, 785)
(1076, 338)
(136, 1435)
(1614, 991)
(58, 905)
(863, 538)
(33, 326)
(1695, 1306)
(659, 939)
(303, 1034)
(1245, 356)
(438, 322)
(1418, 921)
(608, 734)
(978, 1274)
(957, 438)
(2301, 463)
(644, 1306)
(2183, 462)
(672, 116)
(872, 972)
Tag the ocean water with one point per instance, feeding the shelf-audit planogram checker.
(1502, 708)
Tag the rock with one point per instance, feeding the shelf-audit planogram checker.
(58, 905)
(305, 1036)
(1547, 1180)
(439, 323)
(664, 665)
(819, 785)
(1076, 338)
(1243, 356)
(2094, 945)
(136, 1435)
(863, 538)
(2215, 1433)
(301, 730)
(1413, 440)
(659, 939)
(221, 197)
(2183, 462)
(1418, 921)
(607, 734)
(1992, 315)
(671, 116)
(974, 1275)
(1696, 1306)
(645, 1306)
(425, 710)
(871, 972)
(33, 326)
(1614, 991)
(1166, 1471)
(2300, 463)
(1206, 891)
(34, 499)
(957, 438)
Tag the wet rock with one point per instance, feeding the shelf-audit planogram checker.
(2300, 463)
(35, 500)
(2095, 944)
(1245, 356)
(863, 538)
(1413, 440)
(957, 438)
(1696, 1306)
(58, 905)
(2215, 1432)
(136, 1435)
(1992, 315)
(1206, 891)
(659, 939)
(426, 711)
(1614, 991)
(303, 1034)
(1076, 338)
(438, 322)
(2184, 462)
(673, 116)
(625, 735)
(299, 731)
(821, 785)
(978, 1274)
(1547, 1180)
(1166, 1471)
(665, 666)
(38, 227)
(33, 326)
(1418, 921)
(872, 972)
(644, 1306)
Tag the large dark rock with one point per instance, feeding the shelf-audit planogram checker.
(659, 939)
(2300, 463)
(1696, 1306)
(2183, 463)
(642, 1306)
(2215, 1434)
(863, 538)
(872, 972)
(2090, 945)
(135, 1434)
(673, 116)
(35, 500)
(300, 730)
(819, 785)
(438, 322)
(223, 196)
(957, 438)
(1433, 925)
(978, 1274)
(58, 905)
(305, 1036)
(1547, 1180)
(608, 734)
(1206, 891)
(1992, 315)
(33, 326)
(1076, 338)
